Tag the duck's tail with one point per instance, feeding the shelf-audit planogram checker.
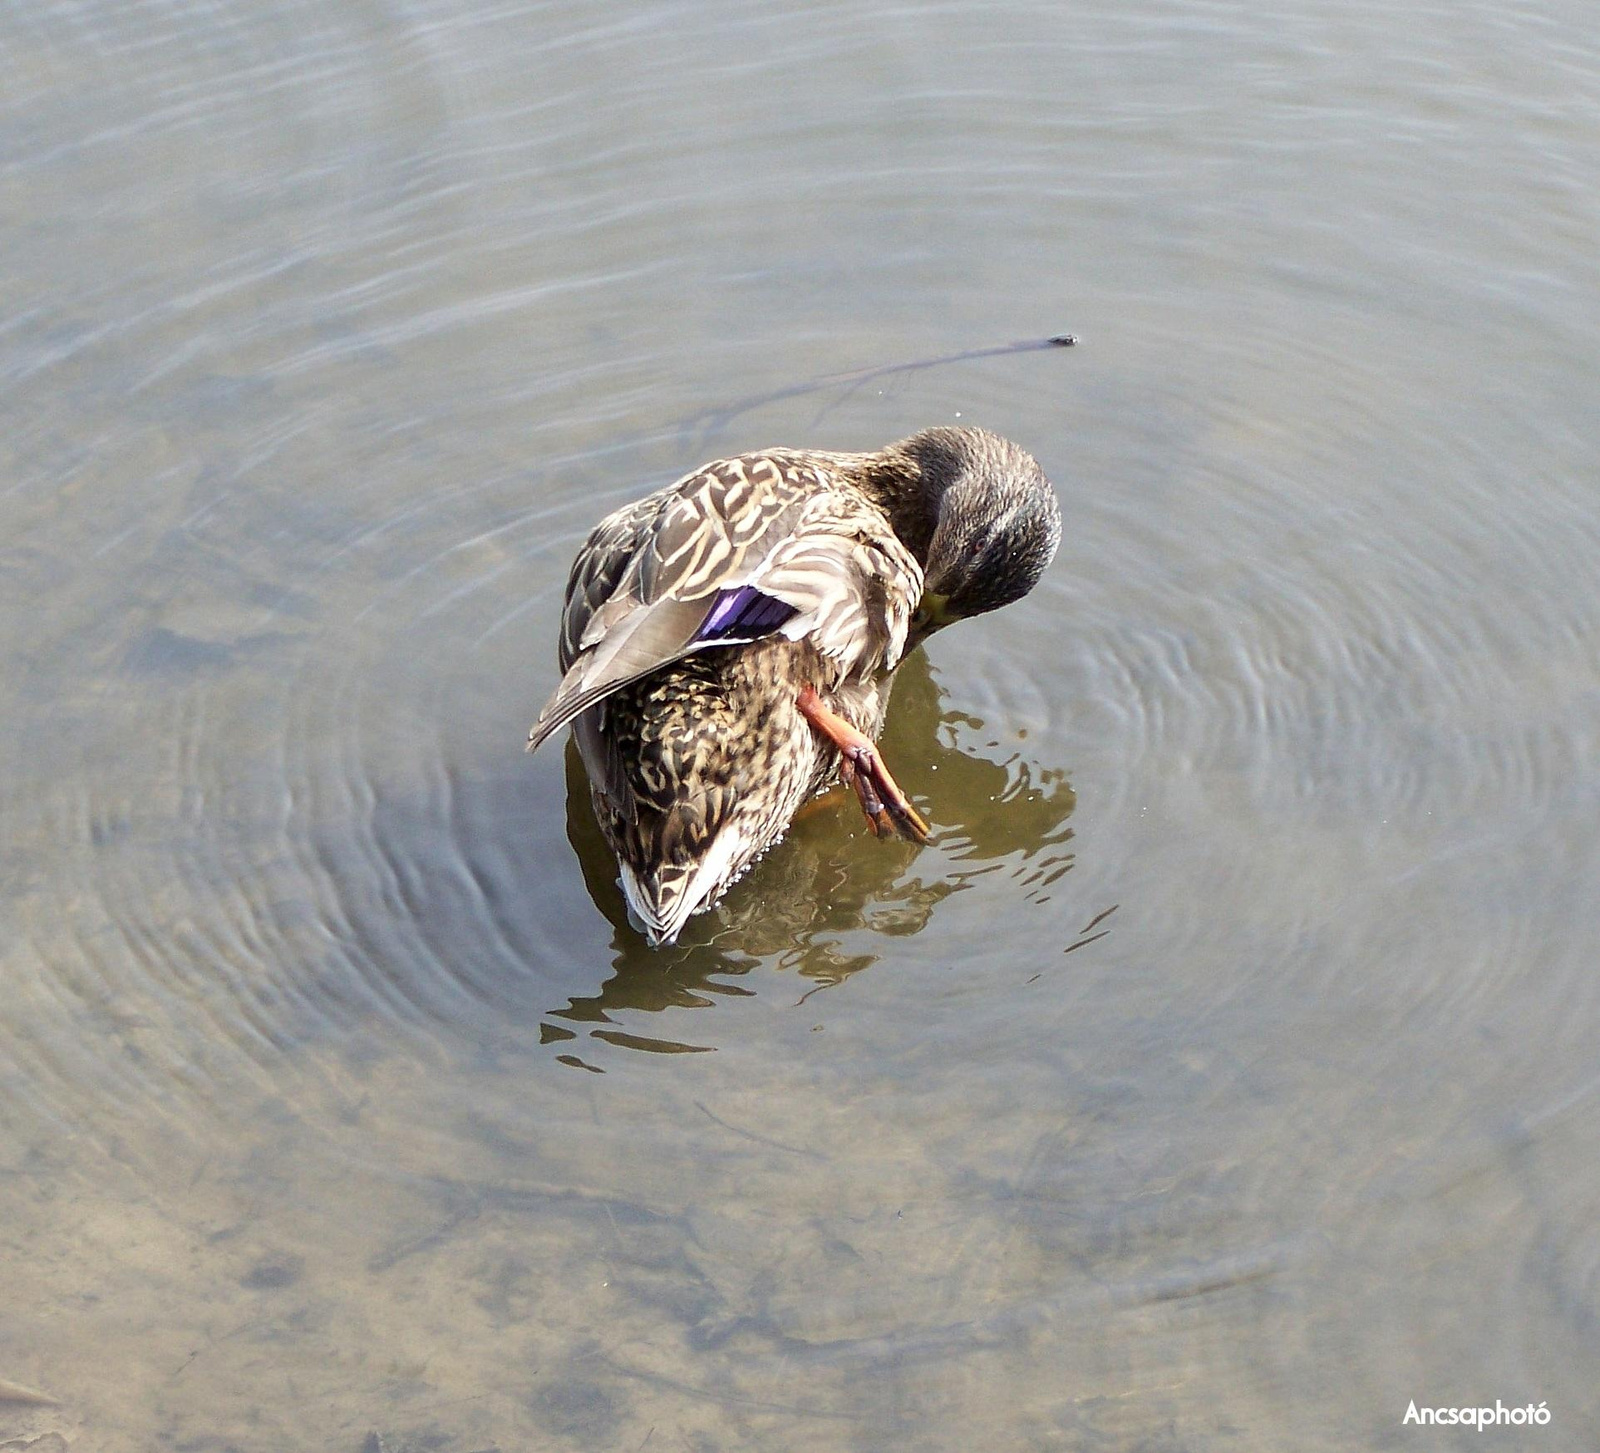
(666, 897)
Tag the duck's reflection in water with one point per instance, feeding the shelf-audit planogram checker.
(829, 877)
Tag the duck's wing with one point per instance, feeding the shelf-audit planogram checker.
(745, 548)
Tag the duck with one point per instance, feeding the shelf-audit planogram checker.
(727, 643)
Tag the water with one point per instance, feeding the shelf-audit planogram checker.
(335, 1099)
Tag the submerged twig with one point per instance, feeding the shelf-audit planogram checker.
(713, 420)
(16, 1392)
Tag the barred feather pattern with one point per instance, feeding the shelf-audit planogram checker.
(792, 523)
(689, 743)
(712, 749)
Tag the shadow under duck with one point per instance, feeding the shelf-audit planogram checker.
(728, 642)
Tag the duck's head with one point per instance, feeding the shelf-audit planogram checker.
(981, 517)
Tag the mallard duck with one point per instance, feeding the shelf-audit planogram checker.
(728, 642)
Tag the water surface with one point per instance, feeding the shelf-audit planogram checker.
(336, 1098)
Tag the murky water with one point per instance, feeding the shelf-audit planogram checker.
(335, 1099)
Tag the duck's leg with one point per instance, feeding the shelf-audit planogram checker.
(887, 808)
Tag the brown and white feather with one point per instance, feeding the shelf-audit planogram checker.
(787, 522)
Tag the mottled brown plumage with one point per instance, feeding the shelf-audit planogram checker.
(696, 616)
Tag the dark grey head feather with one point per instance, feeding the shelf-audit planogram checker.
(978, 513)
